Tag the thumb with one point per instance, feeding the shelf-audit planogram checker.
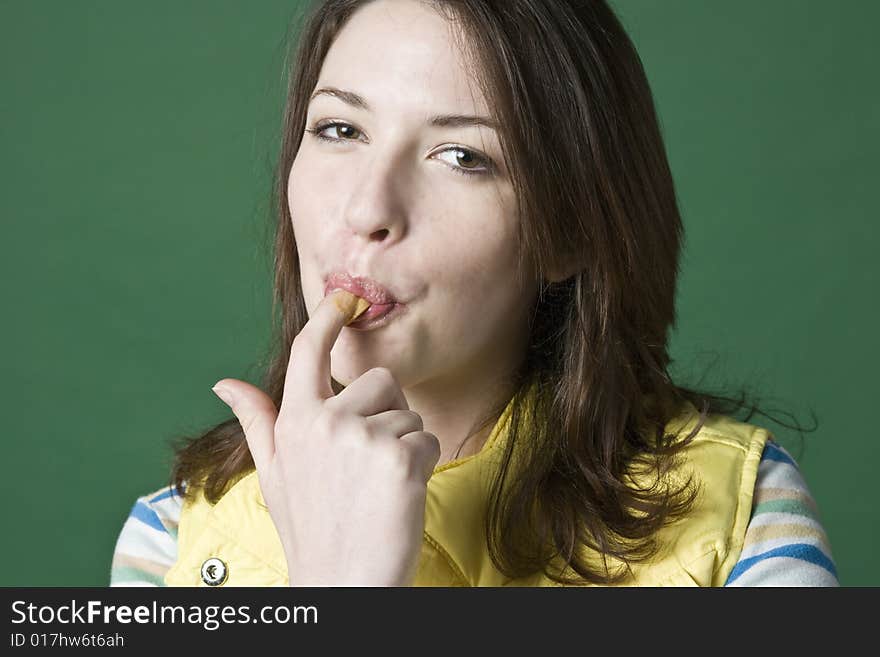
(256, 414)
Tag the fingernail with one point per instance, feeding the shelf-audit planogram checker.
(224, 393)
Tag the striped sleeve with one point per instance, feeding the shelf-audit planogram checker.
(785, 543)
(147, 545)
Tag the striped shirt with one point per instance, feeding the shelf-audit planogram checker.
(785, 543)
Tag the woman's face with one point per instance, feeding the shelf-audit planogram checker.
(421, 205)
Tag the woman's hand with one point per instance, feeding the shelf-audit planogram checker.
(344, 476)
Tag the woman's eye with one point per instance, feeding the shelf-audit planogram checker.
(346, 131)
(467, 162)
(463, 160)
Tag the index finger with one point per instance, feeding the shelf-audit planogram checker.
(308, 370)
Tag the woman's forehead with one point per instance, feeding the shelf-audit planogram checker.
(403, 54)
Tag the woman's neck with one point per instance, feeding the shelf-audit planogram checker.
(457, 413)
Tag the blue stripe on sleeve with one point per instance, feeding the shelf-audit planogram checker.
(164, 495)
(773, 453)
(146, 515)
(802, 551)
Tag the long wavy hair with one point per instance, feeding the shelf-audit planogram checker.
(587, 161)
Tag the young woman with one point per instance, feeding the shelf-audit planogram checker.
(491, 177)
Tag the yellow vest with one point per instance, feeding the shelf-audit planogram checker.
(699, 550)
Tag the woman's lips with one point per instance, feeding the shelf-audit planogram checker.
(360, 286)
(383, 306)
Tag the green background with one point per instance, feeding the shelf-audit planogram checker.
(137, 146)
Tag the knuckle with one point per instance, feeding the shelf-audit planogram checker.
(433, 450)
(416, 419)
(383, 375)
(331, 406)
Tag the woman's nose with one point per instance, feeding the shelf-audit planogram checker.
(376, 208)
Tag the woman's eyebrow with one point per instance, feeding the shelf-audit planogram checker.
(440, 120)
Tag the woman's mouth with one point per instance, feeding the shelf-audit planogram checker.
(384, 307)
(360, 286)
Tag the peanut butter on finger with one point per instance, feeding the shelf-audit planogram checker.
(350, 305)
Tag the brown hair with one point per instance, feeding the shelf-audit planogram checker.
(595, 193)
